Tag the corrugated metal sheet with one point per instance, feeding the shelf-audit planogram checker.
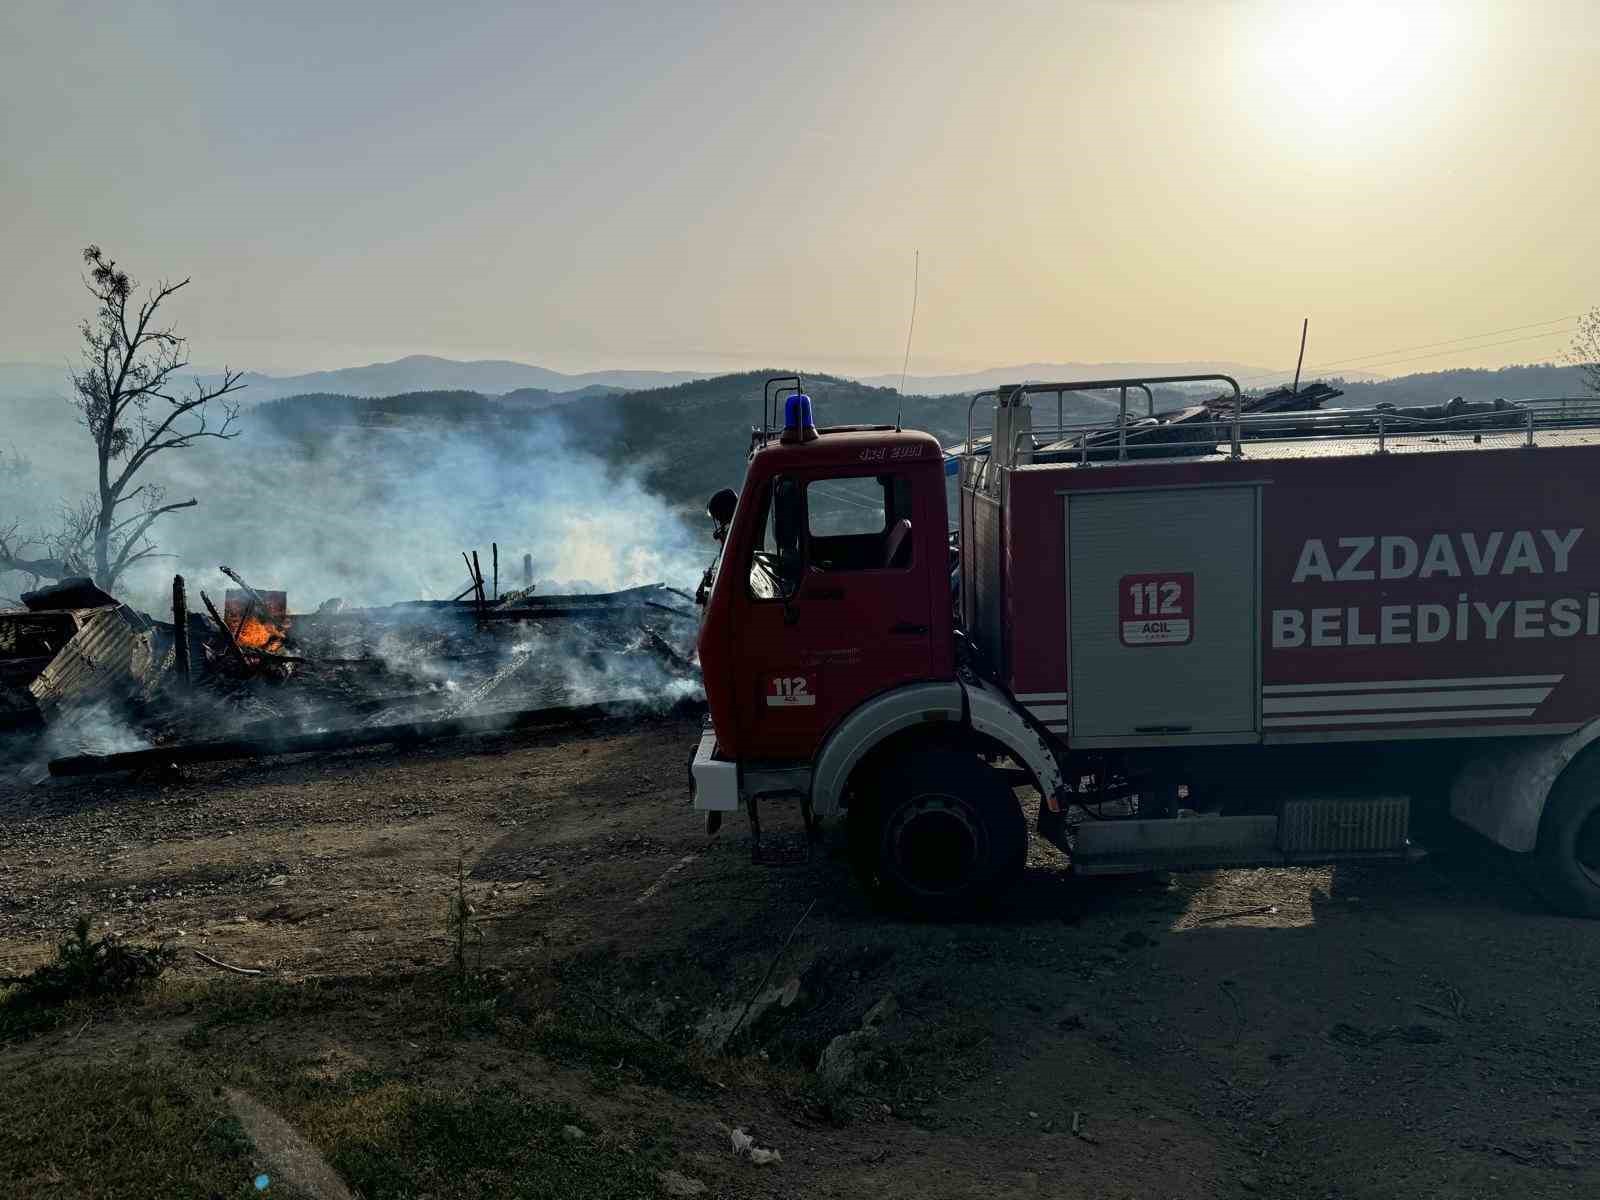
(109, 656)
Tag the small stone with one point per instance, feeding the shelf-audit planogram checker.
(880, 1012)
(277, 881)
(571, 1133)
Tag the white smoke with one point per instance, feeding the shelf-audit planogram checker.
(373, 514)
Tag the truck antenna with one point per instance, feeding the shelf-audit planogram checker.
(900, 399)
(1304, 325)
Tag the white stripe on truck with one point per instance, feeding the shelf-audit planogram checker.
(1373, 718)
(1465, 698)
(1378, 685)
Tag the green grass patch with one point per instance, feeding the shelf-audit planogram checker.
(145, 1127)
(575, 1036)
(429, 1006)
(492, 1144)
(158, 1125)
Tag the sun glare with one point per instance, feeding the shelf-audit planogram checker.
(1349, 69)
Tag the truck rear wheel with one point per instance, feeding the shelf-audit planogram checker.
(941, 835)
(1567, 861)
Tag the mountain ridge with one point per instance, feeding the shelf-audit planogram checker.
(1248, 376)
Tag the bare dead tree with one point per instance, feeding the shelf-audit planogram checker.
(1585, 350)
(35, 556)
(128, 396)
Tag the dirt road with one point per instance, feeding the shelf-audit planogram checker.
(1360, 1032)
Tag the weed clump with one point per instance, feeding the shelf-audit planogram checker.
(89, 968)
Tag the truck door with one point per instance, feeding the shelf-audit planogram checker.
(838, 606)
(1162, 599)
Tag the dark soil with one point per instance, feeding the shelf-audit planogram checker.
(1424, 1030)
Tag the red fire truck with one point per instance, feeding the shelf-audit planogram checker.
(1222, 640)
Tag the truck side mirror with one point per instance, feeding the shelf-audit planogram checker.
(720, 509)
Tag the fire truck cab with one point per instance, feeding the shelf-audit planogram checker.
(1165, 633)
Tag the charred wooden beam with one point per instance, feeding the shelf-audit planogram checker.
(344, 739)
(256, 602)
(660, 645)
(180, 632)
(233, 642)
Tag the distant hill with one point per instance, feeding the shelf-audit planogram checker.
(691, 439)
(424, 373)
(975, 381)
(415, 373)
(1538, 381)
(313, 412)
(686, 440)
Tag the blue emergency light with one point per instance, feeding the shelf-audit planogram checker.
(798, 425)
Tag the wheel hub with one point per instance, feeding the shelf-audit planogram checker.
(934, 843)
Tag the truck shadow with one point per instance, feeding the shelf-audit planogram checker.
(1460, 871)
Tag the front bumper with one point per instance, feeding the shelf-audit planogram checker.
(715, 781)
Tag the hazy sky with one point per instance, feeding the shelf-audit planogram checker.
(721, 185)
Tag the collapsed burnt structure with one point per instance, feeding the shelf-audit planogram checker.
(87, 684)
(70, 642)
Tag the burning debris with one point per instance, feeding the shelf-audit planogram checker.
(254, 678)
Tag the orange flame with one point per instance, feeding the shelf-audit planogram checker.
(256, 634)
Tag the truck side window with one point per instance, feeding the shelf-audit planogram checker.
(775, 560)
(859, 522)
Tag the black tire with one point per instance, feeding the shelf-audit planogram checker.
(939, 835)
(1566, 864)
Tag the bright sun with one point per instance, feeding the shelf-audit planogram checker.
(1346, 69)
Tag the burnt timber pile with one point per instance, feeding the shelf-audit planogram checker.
(1198, 429)
(87, 684)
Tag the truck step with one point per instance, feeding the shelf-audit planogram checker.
(788, 845)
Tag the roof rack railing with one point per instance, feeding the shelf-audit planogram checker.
(775, 389)
(1142, 383)
(1520, 419)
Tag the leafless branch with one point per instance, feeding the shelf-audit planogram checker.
(1585, 350)
(131, 367)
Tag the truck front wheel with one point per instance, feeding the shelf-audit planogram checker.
(940, 834)
(1567, 861)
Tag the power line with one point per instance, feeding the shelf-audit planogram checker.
(1449, 341)
(1465, 349)
(1385, 354)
